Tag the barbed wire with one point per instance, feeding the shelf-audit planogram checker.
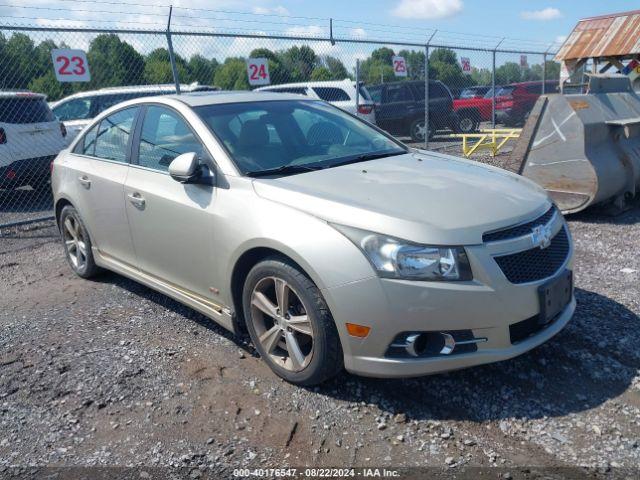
(345, 26)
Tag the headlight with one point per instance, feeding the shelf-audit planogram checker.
(394, 258)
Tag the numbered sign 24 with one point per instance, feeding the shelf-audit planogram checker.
(258, 71)
(70, 65)
(399, 66)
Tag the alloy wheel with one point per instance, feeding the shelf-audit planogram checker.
(466, 125)
(282, 324)
(75, 242)
(419, 131)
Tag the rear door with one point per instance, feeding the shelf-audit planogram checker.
(172, 224)
(100, 176)
(392, 114)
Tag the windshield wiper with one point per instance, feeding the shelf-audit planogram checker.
(366, 157)
(283, 170)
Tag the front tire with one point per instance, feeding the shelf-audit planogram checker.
(290, 324)
(467, 123)
(77, 243)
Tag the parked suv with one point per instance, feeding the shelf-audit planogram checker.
(400, 108)
(341, 93)
(329, 241)
(515, 101)
(30, 138)
(79, 109)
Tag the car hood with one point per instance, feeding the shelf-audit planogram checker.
(421, 197)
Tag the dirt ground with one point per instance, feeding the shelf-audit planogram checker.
(108, 372)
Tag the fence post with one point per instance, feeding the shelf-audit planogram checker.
(426, 91)
(544, 71)
(172, 59)
(357, 87)
(493, 85)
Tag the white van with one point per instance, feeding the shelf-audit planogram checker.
(79, 109)
(341, 93)
(30, 138)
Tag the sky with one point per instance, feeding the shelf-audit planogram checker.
(535, 25)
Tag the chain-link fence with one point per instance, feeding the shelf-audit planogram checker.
(385, 82)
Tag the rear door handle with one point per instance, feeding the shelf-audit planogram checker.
(137, 199)
(84, 180)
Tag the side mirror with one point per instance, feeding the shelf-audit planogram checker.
(185, 168)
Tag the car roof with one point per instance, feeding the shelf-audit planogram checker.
(198, 99)
(323, 83)
(20, 94)
(168, 87)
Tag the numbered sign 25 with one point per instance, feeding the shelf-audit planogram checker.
(258, 71)
(70, 65)
(399, 66)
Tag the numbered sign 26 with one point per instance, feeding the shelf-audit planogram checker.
(399, 66)
(258, 71)
(465, 63)
(70, 65)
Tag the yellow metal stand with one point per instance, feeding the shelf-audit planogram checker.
(487, 139)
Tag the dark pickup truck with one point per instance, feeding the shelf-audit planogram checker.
(400, 108)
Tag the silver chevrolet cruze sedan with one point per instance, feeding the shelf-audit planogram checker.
(330, 242)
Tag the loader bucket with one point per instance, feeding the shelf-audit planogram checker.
(584, 149)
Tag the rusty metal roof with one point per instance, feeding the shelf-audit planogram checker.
(612, 35)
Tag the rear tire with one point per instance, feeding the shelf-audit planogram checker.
(77, 243)
(292, 330)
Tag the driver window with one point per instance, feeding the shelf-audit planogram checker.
(164, 136)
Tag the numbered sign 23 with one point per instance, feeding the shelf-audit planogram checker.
(258, 71)
(399, 66)
(70, 65)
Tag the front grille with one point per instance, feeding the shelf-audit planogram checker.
(536, 264)
(519, 230)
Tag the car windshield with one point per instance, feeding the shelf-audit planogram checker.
(292, 136)
(505, 91)
(468, 93)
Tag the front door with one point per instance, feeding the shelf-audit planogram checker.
(172, 224)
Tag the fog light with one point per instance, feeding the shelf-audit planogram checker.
(356, 330)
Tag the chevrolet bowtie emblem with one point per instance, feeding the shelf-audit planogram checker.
(541, 236)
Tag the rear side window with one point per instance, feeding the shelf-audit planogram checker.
(77, 109)
(25, 110)
(113, 135)
(375, 93)
(165, 135)
(534, 88)
(398, 93)
(331, 94)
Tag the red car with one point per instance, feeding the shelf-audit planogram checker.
(515, 101)
(472, 111)
(513, 104)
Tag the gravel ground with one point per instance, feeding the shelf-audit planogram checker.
(108, 372)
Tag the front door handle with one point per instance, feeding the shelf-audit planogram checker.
(137, 199)
(84, 181)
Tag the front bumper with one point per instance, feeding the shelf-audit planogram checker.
(487, 306)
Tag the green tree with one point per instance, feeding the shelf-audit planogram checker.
(415, 63)
(202, 70)
(321, 73)
(113, 62)
(510, 72)
(157, 67)
(378, 68)
(336, 68)
(277, 72)
(19, 60)
(298, 62)
(232, 74)
(444, 66)
(50, 86)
